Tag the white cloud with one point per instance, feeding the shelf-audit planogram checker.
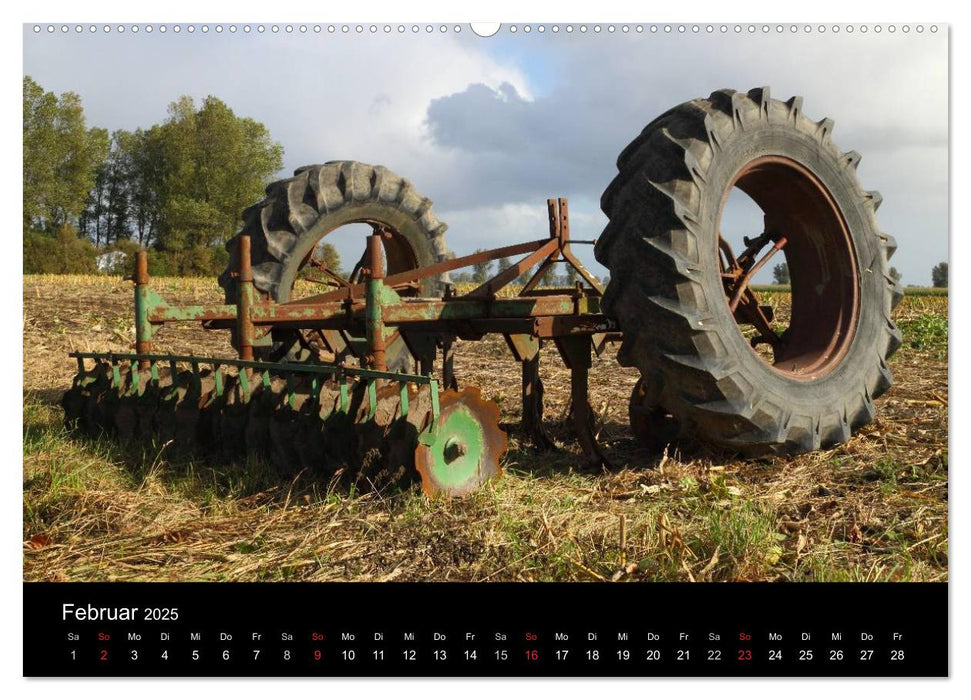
(324, 96)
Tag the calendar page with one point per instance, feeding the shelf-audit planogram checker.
(520, 349)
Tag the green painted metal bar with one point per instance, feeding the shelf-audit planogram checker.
(374, 304)
(261, 366)
(291, 390)
(217, 375)
(372, 398)
(345, 399)
(245, 298)
(435, 409)
(244, 384)
(555, 303)
(262, 314)
(161, 312)
(143, 300)
(403, 395)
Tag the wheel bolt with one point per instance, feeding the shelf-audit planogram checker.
(453, 450)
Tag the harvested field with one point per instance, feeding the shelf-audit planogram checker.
(874, 509)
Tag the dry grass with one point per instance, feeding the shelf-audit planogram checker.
(872, 509)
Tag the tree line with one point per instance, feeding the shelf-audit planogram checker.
(178, 187)
(561, 275)
(780, 274)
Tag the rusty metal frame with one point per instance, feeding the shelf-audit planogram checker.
(349, 307)
(570, 316)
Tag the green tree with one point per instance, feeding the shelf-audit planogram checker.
(119, 199)
(91, 219)
(328, 254)
(481, 271)
(60, 159)
(780, 273)
(939, 275)
(62, 253)
(549, 277)
(107, 217)
(324, 254)
(572, 276)
(213, 165)
(143, 155)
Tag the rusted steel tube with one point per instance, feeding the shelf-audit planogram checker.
(743, 283)
(245, 293)
(355, 290)
(143, 326)
(374, 312)
(549, 250)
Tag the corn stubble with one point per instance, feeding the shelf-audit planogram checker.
(872, 509)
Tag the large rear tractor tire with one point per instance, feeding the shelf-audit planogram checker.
(298, 212)
(684, 301)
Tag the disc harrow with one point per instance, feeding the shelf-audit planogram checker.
(365, 425)
(299, 417)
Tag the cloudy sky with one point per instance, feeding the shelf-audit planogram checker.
(491, 127)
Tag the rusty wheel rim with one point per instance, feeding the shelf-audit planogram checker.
(399, 256)
(803, 221)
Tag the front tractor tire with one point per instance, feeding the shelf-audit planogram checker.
(683, 299)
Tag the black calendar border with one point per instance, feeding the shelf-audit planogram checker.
(918, 610)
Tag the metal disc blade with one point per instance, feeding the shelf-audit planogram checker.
(462, 449)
